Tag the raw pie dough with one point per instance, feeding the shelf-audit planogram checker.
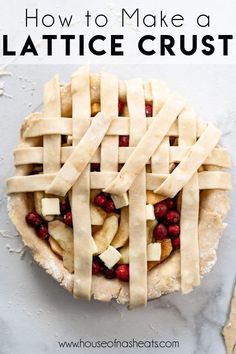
(199, 175)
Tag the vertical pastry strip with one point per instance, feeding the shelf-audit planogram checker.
(137, 202)
(189, 247)
(52, 143)
(109, 106)
(81, 189)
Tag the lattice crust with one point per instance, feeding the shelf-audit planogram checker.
(150, 163)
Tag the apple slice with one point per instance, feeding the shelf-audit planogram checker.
(123, 233)
(63, 234)
(105, 235)
(97, 215)
(55, 246)
(124, 251)
(150, 227)
(153, 198)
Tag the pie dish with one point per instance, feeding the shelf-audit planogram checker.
(120, 189)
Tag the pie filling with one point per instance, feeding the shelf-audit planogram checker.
(163, 227)
(115, 170)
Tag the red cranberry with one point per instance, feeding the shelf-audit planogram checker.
(172, 217)
(68, 218)
(95, 167)
(33, 219)
(160, 232)
(124, 140)
(64, 207)
(120, 106)
(100, 200)
(42, 231)
(109, 206)
(170, 203)
(148, 110)
(109, 273)
(96, 266)
(176, 243)
(122, 272)
(160, 209)
(173, 230)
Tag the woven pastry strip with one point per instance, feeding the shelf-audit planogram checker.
(27, 155)
(81, 189)
(52, 143)
(189, 247)
(206, 180)
(137, 201)
(119, 126)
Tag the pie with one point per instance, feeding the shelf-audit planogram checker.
(120, 189)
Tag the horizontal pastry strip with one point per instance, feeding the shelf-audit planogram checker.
(100, 180)
(29, 155)
(119, 126)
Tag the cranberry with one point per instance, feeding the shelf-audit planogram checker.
(109, 273)
(172, 217)
(96, 266)
(160, 209)
(160, 232)
(170, 203)
(173, 230)
(124, 140)
(42, 231)
(122, 272)
(95, 167)
(68, 218)
(64, 207)
(176, 243)
(100, 200)
(148, 110)
(109, 206)
(33, 219)
(120, 106)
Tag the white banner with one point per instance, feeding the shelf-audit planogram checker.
(124, 32)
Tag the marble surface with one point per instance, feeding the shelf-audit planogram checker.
(35, 313)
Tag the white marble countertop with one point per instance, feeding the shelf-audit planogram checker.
(35, 313)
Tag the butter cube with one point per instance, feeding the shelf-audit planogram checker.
(50, 206)
(110, 257)
(120, 200)
(154, 251)
(150, 215)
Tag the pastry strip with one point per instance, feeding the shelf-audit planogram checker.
(137, 201)
(215, 180)
(190, 164)
(81, 156)
(189, 246)
(119, 126)
(34, 155)
(100, 180)
(52, 143)
(146, 146)
(81, 189)
(109, 106)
